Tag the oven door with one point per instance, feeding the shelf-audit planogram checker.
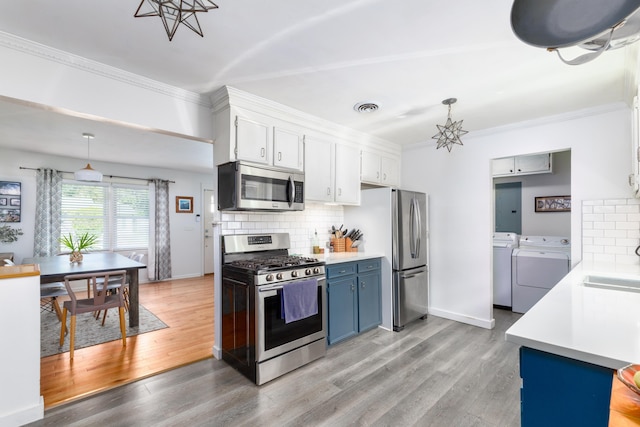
(276, 337)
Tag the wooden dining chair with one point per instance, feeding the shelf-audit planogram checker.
(101, 300)
(113, 285)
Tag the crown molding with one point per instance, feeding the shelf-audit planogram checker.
(70, 60)
(230, 96)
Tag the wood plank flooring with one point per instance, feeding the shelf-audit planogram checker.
(434, 373)
(186, 306)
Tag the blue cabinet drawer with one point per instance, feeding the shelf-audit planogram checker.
(369, 265)
(342, 269)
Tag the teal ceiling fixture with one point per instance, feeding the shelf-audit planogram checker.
(175, 12)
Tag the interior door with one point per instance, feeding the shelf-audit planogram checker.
(209, 206)
(508, 207)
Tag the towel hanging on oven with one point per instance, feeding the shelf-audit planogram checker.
(299, 300)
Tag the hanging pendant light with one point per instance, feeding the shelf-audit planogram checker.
(88, 173)
(176, 12)
(449, 133)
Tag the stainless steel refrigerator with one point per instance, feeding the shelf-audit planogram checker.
(395, 224)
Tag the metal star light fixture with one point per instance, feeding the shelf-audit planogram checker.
(449, 133)
(175, 12)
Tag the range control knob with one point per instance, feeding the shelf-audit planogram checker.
(269, 277)
(307, 272)
(316, 270)
(279, 276)
(294, 274)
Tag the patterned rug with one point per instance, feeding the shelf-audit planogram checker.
(89, 330)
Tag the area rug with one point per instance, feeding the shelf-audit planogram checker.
(90, 331)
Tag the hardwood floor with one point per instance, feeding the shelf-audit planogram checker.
(434, 373)
(186, 306)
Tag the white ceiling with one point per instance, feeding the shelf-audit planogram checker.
(320, 57)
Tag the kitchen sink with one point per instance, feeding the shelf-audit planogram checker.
(615, 283)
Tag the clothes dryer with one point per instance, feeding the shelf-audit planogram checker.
(503, 245)
(538, 264)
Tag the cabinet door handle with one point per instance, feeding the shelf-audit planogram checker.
(279, 155)
(328, 191)
(262, 152)
(362, 285)
(353, 289)
(339, 191)
(384, 176)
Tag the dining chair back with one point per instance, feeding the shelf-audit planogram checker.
(101, 300)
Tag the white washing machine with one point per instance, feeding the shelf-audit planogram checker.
(503, 245)
(538, 264)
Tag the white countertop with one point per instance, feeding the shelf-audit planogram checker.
(595, 325)
(338, 257)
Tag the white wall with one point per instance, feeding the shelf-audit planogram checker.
(461, 197)
(186, 234)
(557, 183)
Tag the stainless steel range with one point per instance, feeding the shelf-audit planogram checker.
(256, 338)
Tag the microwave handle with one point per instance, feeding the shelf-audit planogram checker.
(292, 190)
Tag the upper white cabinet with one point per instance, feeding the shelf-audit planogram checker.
(522, 165)
(288, 148)
(258, 138)
(253, 141)
(331, 174)
(379, 169)
(634, 178)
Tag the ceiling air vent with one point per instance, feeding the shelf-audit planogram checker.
(366, 107)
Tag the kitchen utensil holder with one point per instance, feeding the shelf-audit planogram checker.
(343, 245)
(338, 244)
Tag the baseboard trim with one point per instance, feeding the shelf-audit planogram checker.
(463, 318)
(25, 415)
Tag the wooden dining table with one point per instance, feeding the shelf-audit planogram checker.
(55, 268)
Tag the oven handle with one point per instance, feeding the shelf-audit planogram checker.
(270, 288)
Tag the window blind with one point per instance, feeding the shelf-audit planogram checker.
(117, 214)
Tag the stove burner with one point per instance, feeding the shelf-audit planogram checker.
(270, 263)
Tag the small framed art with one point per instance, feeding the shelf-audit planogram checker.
(184, 204)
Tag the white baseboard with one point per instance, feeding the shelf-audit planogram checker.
(24, 415)
(463, 318)
(217, 352)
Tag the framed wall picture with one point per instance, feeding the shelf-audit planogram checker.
(10, 194)
(553, 204)
(184, 204)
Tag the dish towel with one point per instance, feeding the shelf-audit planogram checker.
(299, 300)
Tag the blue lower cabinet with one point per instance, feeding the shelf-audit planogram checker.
(354, 292)
(559, 391)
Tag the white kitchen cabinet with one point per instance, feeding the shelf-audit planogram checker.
(252, 141)
(390, 171)
(347, 175)
(379, 169)
(319, 166)
(258, 138)
(634, 178)
(287, 148)
(522, 165)
(332, 172)
(505, 166)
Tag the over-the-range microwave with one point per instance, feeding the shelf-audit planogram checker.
(246, 186)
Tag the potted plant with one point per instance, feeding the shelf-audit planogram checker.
(76, 246)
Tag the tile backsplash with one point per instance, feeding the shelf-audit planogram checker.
(611, 230)
(300, 225)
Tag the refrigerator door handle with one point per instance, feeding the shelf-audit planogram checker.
(418, 228)
(414, 228)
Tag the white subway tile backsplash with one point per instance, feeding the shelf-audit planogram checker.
(610, 230)
(300, 225)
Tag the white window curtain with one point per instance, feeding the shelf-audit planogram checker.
(160, 250)
(48, 212)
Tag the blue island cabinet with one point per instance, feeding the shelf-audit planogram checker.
(354, 292)
(559, 391)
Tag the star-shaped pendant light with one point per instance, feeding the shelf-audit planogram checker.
(175, 12)
(451, 132)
